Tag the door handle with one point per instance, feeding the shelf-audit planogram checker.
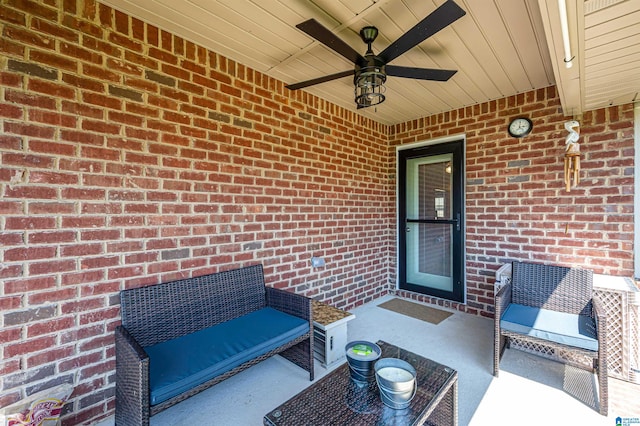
(457, 221)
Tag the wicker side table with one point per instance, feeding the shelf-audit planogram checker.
(329, 333)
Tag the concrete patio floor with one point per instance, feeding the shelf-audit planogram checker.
(529, 391)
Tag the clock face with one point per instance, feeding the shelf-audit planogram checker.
(520, 127)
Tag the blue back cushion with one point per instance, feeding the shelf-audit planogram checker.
(560, 327)
(180, 364)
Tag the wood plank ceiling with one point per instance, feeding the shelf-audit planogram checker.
(500, 47)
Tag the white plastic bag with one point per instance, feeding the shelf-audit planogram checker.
(40, 409)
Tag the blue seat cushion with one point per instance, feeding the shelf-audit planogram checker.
(569, 329)
(180, 364)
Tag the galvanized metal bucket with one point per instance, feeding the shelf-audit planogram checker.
(361, 357)
(396, 381)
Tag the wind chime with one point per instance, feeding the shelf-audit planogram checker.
(571, 156)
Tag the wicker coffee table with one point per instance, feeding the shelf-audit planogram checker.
(336, 400)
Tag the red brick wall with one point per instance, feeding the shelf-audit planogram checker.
(517, 205)
(129, 156)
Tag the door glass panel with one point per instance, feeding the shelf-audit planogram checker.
(429, 248)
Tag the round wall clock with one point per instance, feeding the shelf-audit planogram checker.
(520, 127)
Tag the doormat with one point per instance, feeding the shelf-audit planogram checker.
(415, 310)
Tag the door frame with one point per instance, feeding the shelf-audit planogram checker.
(400, 227)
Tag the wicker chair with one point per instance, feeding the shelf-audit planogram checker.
(554, 289)
(161, 312)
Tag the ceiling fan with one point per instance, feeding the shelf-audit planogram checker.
(371, 70)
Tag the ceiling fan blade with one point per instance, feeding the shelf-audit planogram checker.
(318, 80)
(443, 16)
(329, 39)
(420, 73)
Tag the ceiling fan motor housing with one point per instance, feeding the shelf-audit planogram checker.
(373, 67)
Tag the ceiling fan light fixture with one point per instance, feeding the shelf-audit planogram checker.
(369, 99)
(369, 86)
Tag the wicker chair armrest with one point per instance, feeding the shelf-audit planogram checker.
(128, 342)
(600, 317)
(132, 380)
(503, 298)
(290, 303)
(603, 370)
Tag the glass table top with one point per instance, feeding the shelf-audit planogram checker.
(336, 400)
